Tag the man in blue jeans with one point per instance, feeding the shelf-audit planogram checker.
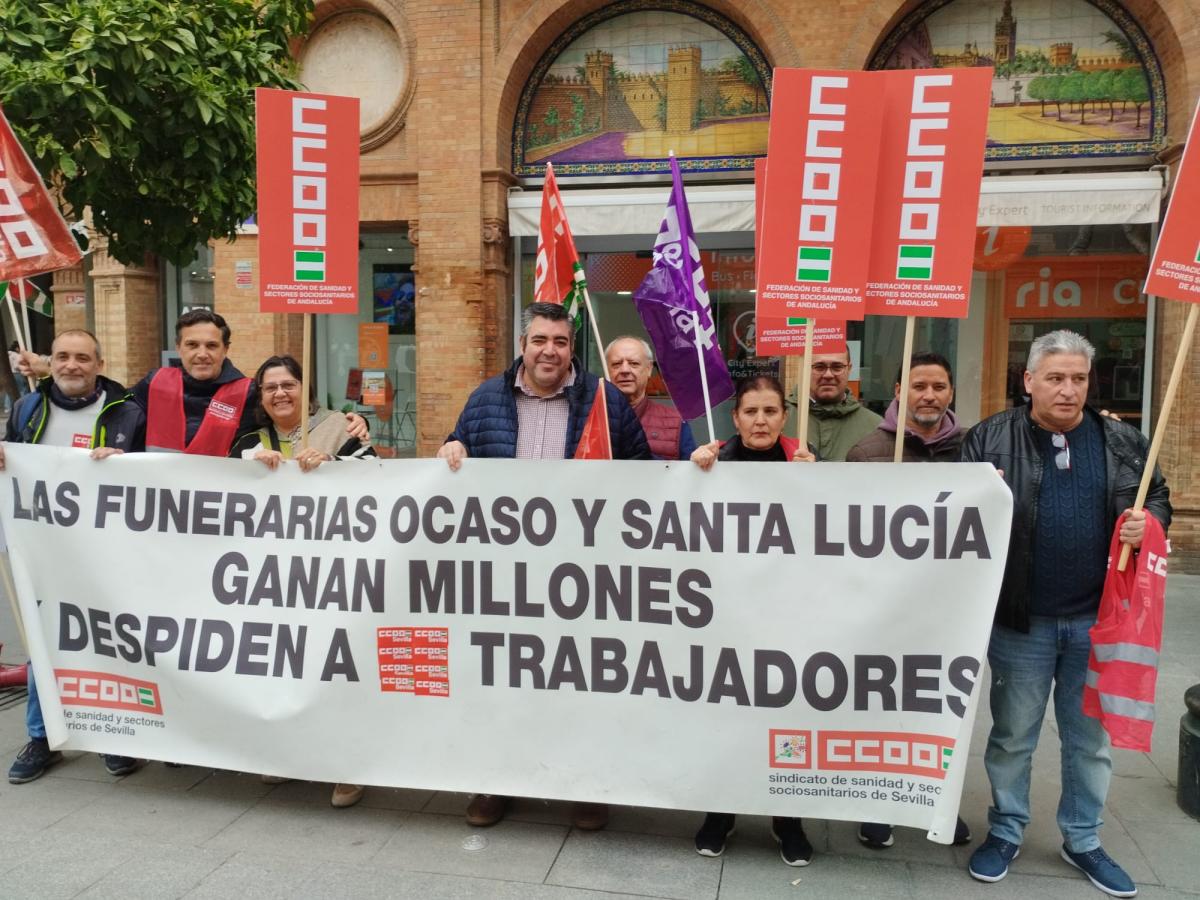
(75, 407)
(1074, 475)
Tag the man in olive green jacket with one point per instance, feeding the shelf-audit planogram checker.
(836, 420)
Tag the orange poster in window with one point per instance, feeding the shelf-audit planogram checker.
(372, 345)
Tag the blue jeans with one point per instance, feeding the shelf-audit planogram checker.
(1024, 666)
(34, 723)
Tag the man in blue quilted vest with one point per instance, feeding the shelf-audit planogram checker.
(537, 410)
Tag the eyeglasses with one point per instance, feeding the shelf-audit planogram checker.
(836, 368)
(1062, 458)
(286, 386)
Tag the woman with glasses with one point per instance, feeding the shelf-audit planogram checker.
(278, 381)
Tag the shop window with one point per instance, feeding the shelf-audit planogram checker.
(1087, 279)
(368, 362)
(186, 287)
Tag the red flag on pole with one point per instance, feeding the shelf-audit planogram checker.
(33, 236)
(596, 443)
(557, 275)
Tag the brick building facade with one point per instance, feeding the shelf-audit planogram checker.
(437, 171)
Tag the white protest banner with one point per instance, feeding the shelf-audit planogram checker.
(782, 639)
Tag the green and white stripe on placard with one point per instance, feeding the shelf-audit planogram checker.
(1198, 253)
(814, 263)
(794, 322)
(310, 265)
(947, 752)
(145, 696)
(915, 262)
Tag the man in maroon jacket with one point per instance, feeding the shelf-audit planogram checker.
(630, 364)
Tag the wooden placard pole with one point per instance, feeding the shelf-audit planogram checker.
(21, 292)
(804, 388)
(910, 327)
(1160, 427)
(22, 344)
(305, 370)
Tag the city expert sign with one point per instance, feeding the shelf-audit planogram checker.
(307, 202)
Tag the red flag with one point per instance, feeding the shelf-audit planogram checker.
(33, 236)
(1126, 641)
(596, 443)
(557, 274)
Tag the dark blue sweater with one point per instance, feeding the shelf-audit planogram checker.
(487, 425)
(1070, 555)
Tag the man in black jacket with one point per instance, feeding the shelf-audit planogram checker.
(75, 407)
(1074, 475)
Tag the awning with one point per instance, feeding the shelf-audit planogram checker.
(1115, 198)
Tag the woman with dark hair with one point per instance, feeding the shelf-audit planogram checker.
(278, 382)
(759, 412)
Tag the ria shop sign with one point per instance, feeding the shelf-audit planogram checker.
(307, 202)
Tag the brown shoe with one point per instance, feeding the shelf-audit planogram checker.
(589, 816)
(274, 779)
(346, 795)
(486, 809)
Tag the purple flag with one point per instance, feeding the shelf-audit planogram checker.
(671, 292)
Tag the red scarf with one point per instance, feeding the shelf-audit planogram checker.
(166, 421)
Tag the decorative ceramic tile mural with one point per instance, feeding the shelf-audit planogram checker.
(635, 81)
(1073, 78)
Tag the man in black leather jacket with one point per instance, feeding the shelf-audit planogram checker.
(1073, 475)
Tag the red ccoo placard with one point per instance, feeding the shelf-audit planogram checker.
(307, 202)
(33, 236)
(784, 335)
(927, 196)
(823, 147)
(1175, 268)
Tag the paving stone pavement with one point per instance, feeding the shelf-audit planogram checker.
(198, 833)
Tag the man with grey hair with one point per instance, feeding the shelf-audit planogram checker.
(536, 410)
(1074, 476)
(630, 363)
(75, 407)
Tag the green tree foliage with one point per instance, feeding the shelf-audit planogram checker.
(1103, 90)
(551, 120)
(1132, 85)
(1122, 45)
(1102, 86)
(744, 69)
(143, 110)
(578, 113)
(1074, 91)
